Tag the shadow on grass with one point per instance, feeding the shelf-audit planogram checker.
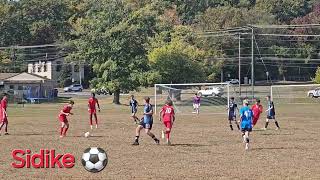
(88, 137)
(31, 134)
(189, 145)
(272, 148)
(278, 134)
(61, 100)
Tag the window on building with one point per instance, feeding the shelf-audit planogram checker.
(20, 87)
(11, 87)
(76, 68)
(33, 67)
(39, 67)
(58, 66)
(45, 68)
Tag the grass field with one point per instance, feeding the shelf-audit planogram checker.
(203, 146)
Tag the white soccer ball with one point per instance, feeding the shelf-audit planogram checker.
(87, 134)
(94, 159)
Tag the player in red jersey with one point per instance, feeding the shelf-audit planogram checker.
(167, 116)
(4, 101)
(93, 101)
(66, 111)
(257, 109)
(3, 114)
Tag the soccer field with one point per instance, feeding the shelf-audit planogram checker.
(203, 146)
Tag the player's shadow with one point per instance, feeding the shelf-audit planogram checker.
(189, 145)
(93, 136)
(31, 134)
(276, 134)
(272, 148)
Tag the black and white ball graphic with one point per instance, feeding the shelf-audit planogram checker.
(94, 159)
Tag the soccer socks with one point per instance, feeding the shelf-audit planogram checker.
(65, 131)
(137, 138)
(155, 139)
(231, 127)
(238, 126)
(91, 122)
(61, 131)
(136, 141)
(6, 128)
(168, 134)
(276, 122)
(96, 119)
(267, 123)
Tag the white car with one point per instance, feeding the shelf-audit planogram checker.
(73, 87)
(314, 93)
(211, 91)
(233, 81)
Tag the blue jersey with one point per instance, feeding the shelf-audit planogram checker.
(147, 118)
(246, 115)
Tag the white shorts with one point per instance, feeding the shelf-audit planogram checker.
(196, 106)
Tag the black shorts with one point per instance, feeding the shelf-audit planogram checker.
(246, 129)
(232, 117)
(271, 117)
(133, 111)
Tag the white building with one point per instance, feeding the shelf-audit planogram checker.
(52, 69)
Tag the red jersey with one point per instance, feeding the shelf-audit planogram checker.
(92, 103)
(4, 103)
(66, 109)
(3, 114)
(167, 113)
(257, 110)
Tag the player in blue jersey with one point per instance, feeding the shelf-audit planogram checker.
(146, 122)
(232, 115)
(271, 113)
(246, 116)
(133, 103)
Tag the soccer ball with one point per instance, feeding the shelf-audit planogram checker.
(87, 134)
(94, 159)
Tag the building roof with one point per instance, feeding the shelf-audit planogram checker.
(21, 77)
(4, 76)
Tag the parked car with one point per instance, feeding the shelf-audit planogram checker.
(101, 91)
(73, 87)
(211, 91)
(233, 81)
(314, 93)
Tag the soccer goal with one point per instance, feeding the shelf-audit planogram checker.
(296, 94)
(214, 97)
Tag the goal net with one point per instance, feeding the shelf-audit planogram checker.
(296, 94)
(214, 97)
(297, 101)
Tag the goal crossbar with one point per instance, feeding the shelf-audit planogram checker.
(187, 84)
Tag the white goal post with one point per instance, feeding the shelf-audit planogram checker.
(186, 88)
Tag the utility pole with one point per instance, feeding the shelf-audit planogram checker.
(239, 65)
(252, 62)
(80, 80)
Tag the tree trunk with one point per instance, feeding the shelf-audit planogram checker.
(116, 97)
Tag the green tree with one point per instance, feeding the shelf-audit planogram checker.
(317, 76)
(176, 61)
(65, 78)
(112, 38)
